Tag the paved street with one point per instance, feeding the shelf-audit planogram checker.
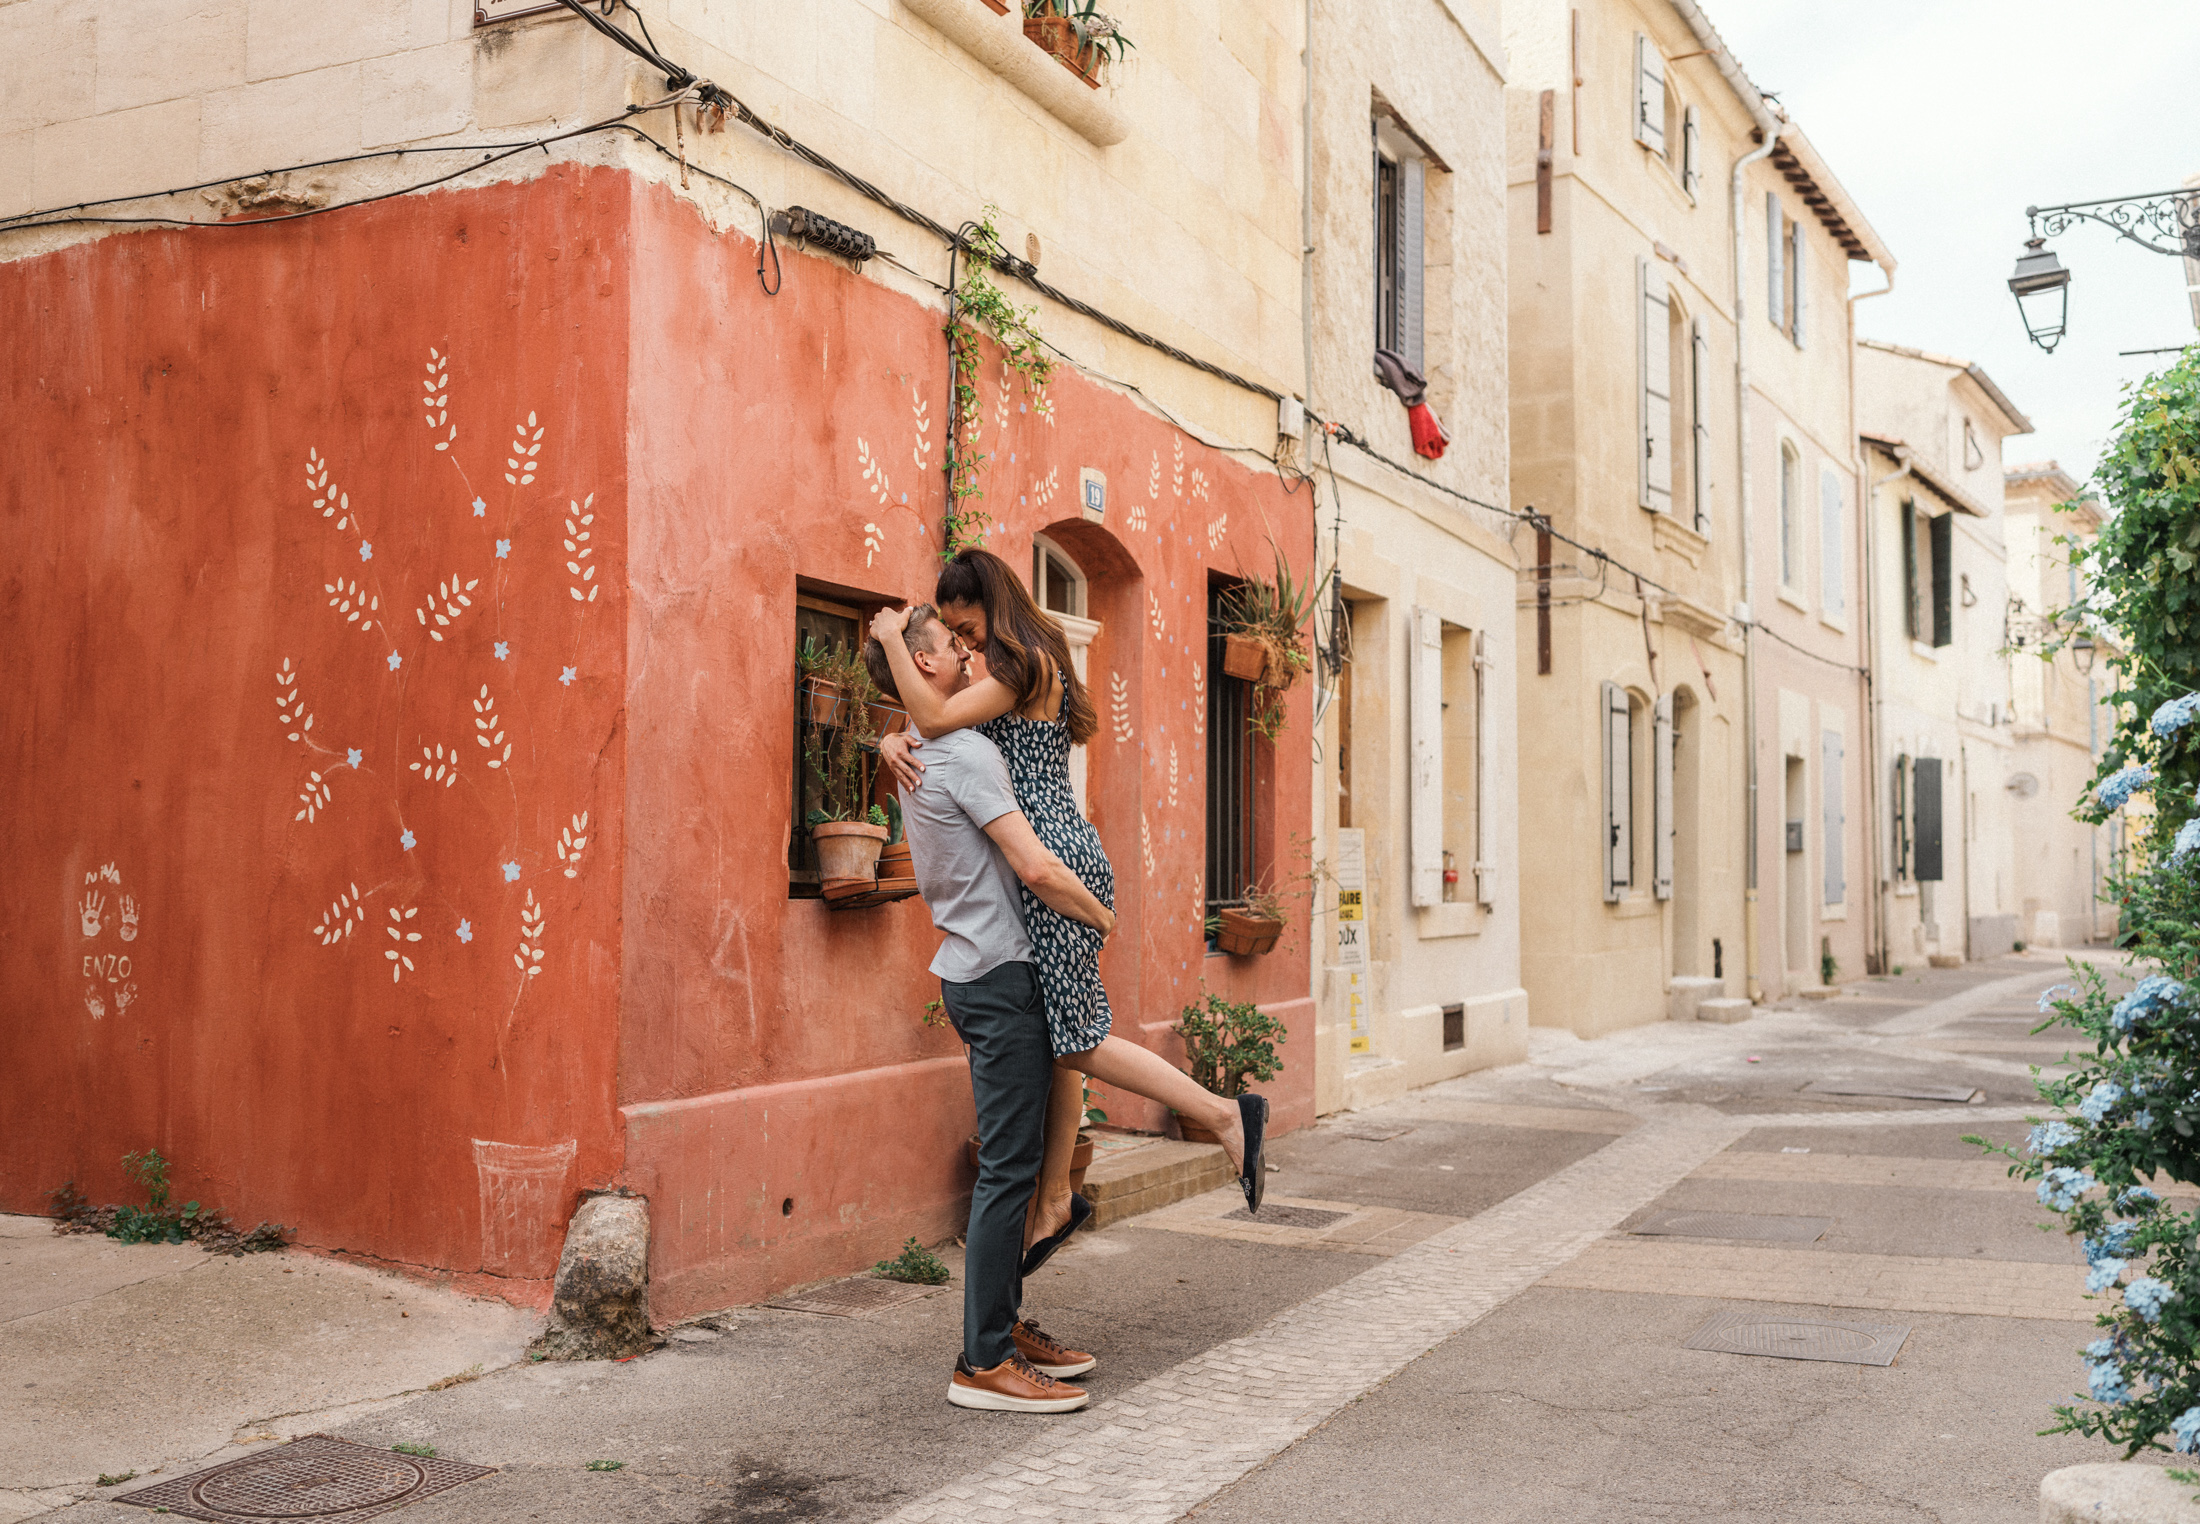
(1455, 1323)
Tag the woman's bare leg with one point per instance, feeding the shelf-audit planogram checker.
(1121, 1064)
(1065, 1113)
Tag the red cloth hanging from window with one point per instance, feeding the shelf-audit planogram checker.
(1429, 434)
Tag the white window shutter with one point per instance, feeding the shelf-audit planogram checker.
(1485, 871)
(1795, 279)
(1649, 95)
(1691, 152)
(1699, 391)
(1619, 791)
(1661, 825)
(1775, 262)
(1832, 573)
(1834, 805)
(1412, 180)
(1654, 388)
(1425, 804)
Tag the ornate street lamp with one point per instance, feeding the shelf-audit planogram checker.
(2042, 289)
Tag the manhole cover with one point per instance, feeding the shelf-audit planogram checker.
(1368, 1132)
(853, 1297)
(1735, 1332)
(1276, 1216)
(1896, 1090)
(316, 1477)
(1778, 1230)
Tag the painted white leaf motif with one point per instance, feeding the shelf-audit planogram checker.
(400, 964)
(1199, 485)
(1153, 477)
(529, 956)
(451, 599)
(489, 730)
(1137, 518)
(1119, 706)
(570, 841)
(1153, 608)
(436, 398)
(354, 603)
(1172, 775)
(521, 465)
(1217, 527)
(435, 767)
(334, 504)
(578, 548)
(1178, 478)
(1199, 698)
(314, 797)
(340, 918)
(1043, 494)
(1145, 842)
(288, 709)
(920, 454)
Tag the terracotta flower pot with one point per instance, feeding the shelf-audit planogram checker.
(826, 700)
(1055, 35)
(1080, 1158)
(848, 848)
(1246, 934)
(1244, 658)
(894, 862)
(887, 718)
(1194, 1133)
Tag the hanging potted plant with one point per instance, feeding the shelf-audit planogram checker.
(1252, 928)
(1229, 1046)
(1264, 639)
(822, 693)
(1080, 36)
(848, 830)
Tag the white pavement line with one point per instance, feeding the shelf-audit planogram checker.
(1951, 1112)
(1953, 1008)
(1172, 1442)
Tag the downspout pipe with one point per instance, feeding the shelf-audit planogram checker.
(1875, 719)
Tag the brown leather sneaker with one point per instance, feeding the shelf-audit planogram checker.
(1047, 1354)
(1013, 1386)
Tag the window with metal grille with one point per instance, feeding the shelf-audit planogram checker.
(1231, 870)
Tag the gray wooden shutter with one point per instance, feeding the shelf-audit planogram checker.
(1699, 370)
(1925, 812)
(1691, 152)
(1833, 806)
(1775, 262)
(1619, 791)
(1649, 95)
(1661, 800)
(1795, 280)
(1831, 572)
(1654, 391)
(1412, 177)
(1943, 544)
(1425, 792)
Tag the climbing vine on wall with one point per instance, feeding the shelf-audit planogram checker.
(978, 308)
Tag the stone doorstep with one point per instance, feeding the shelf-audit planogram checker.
(1730, 1010)
(1127, 1180)
(2118, 1492)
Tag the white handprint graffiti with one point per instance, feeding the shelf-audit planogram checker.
(89, 910)
(129, 921)
(93, 1003)
(123, 997)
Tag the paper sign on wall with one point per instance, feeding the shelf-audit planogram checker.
(1350, 871)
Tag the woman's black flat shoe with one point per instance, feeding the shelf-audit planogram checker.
(1253, 1111)
(1080, 1213)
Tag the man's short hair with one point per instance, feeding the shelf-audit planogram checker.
(916, 635)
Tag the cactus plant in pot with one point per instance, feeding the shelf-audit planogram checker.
(1264, 639)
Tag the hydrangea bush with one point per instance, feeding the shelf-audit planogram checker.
(2128, 1116)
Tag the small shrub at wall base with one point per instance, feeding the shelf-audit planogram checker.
(915, 1264)
(157, 1222)
(1229, 1045)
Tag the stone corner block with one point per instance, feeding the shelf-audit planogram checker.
(1728, 1009)
(1687, 992)
(599, 1306)
(2119, 1492)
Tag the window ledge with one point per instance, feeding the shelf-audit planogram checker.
(1838, 912)
(1792, 598)
(1919, 648)
(1833, 621)
(1454, 919)
(1669, 533)
(1634, 906)
(998, 43)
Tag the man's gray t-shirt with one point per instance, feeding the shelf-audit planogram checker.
(973, 894)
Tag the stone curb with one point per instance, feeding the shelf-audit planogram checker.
(2120, 1492)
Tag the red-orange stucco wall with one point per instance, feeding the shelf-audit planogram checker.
(694, 1032)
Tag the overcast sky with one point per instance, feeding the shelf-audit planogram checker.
(1945, 119)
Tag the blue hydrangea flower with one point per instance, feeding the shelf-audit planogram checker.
(2120, 786)
(2132, 1199)
(2061, 1187)
(2142, 1119)
(2100, 1101)
(2114, 1239)
(2188, 840)
(2175, 715)
(2152, 996)
(2101, 1349)
(2107, 1384)
(2186, 1427)
(2147, 1296)
(2104, 1274)
(2045, 1139)
(2049, 996)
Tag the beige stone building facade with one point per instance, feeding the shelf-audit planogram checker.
(1660, 404)
(2061, 705)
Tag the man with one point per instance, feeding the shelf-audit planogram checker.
(970, 846)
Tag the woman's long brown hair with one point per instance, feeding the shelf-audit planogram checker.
(1021, 638)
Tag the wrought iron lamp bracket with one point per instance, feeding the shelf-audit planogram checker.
(2172, 215)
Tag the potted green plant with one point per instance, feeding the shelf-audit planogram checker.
(1229, 1046)
(1080, 36)
(848, 830)
(1264, 639)
(1252, 928)
(822, 692)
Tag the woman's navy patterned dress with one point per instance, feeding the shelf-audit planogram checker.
(1037, 754)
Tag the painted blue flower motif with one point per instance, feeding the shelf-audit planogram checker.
(2061, 1187)
(566, 677)
(2106, 1383)
(2175, 715)
(396, 661)
(2118, 787)
(504, 649)
(2147, 1296)
(354, 757)
(2045, 1140)
(2186, 1429)
(465, 931)
(504, 550)
(2151, 997)
(511, 873)
(405, 839)
(2188, 841)
(480, 507)
(366, 551)
(2100, 1101)
(2104, 1274)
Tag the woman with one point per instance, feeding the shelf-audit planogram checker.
(1027, 700)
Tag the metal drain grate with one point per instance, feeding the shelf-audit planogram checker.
(853, 1297)
(1776, 1230)
(1897, 1090)
(1277, 1216)
(1368, 1132)
(316, 1477)
(1735, 1332)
